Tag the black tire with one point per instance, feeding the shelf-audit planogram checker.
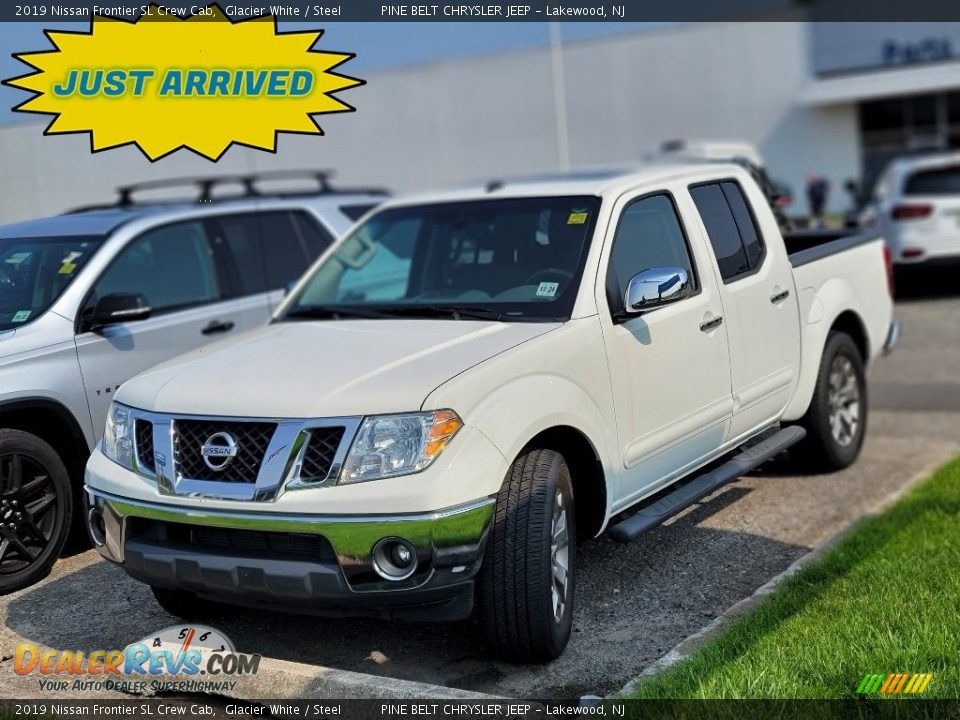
(185, 605)
(516, 583)
(822, 450)
(36, 506)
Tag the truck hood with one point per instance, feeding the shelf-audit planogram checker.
(324, 369)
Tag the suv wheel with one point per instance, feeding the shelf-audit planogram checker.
(836, 420)
(527, 579)
(35, 509)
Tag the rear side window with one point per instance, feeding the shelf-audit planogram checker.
(315, 239)
(731, 228)
(286, 252)
(942, 181)
(648, 235)
(355, 212)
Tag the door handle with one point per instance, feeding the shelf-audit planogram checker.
(216, 326)
(779, 297)
(711, 324)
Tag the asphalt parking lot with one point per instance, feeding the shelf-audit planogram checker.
(634, 602)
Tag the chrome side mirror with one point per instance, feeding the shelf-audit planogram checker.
(656, 287)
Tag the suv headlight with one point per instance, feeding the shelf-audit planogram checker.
(118, 435)
(391, 445)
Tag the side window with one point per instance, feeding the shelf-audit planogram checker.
(237, 240)
(172, 266)
(648, 235)
(286, 253)
(746, 224)
(730, 225)
(313, 236)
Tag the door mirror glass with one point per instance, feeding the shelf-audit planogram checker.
(118, 308)
(656, 287)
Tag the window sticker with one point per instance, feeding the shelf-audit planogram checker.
(577, 217)
(21, 316)
(19, 257)
(547, 289)
(68, 265)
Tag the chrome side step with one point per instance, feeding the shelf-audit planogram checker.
(699, 487)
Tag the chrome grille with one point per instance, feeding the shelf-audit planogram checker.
(321, 449)
(143, 434)
(252, 439)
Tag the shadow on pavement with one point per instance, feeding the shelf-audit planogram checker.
(912, 284)
(634, 602)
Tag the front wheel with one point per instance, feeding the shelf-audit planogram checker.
(836, 421)
(527, 579)
(35, 509)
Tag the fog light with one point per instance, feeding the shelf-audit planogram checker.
(394, 559)
(98, 532)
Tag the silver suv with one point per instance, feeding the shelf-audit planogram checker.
(91, 298)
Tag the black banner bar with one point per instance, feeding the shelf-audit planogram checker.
(223, 708)
(327, 11)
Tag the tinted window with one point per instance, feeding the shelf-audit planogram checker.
(171, 266)
(942, 181)
(314, 238)
(722, 230)
(749, 233)
(648, 235)
(286, 252)
(238, 239)
(355, 212)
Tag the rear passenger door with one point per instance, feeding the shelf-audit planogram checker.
(759, 300)
(203, 279)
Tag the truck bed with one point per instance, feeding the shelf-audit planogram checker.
(807, 246)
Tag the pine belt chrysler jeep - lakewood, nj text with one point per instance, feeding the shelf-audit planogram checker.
(468, 382)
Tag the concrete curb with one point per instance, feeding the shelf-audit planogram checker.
(685, 648)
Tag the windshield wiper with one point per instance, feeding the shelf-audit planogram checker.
(322, 312)
(456, 312)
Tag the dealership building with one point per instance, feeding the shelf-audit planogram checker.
(835, 99)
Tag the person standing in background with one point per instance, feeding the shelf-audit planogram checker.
(818, 189)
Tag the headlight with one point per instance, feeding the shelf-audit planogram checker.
(391, 445)
(118, 435)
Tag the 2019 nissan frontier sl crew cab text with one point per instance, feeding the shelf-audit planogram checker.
(469, 381)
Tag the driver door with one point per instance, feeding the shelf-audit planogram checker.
(669, 366)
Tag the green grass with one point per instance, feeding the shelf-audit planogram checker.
(885, 599)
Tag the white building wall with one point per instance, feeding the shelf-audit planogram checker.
(493, 116)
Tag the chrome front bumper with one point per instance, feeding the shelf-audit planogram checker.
(158, 544)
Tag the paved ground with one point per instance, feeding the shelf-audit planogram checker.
(634, 602)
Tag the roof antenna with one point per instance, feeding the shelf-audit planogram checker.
(494, 185)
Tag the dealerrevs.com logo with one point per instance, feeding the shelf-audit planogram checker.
(190, 658)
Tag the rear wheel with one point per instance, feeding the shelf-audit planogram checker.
(836, 420)
(527, 579)
(35, 509)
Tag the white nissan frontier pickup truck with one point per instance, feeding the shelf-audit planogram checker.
(468, 382)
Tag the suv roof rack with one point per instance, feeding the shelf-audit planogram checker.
(205, 185)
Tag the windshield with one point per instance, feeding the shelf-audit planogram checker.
(508, 259)
(35, 271)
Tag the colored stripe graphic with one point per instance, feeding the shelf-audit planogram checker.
(895, 683)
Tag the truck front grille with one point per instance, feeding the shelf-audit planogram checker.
(251, 438)
(321, 449)
(143, 434)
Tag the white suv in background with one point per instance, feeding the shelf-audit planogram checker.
(91, 298)
(916, 207)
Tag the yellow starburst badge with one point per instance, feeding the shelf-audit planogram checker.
(202, 83)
